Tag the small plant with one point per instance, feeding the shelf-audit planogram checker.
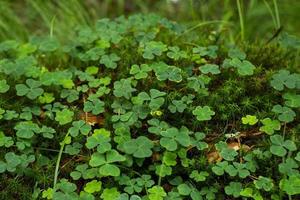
(139, 108)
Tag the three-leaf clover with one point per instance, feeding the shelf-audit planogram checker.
(280, 146)
(79, 127)
(165, 72)
(290, 185)
(249, 119)
(203, 113)
(139, 147)
(64, 116)
(156, 193)
(26, 129)
(234, 189)
(292, 100)
(100, 141)
(105, 161)
(175, 53)
(226, 152)
(156, 98)
(285, 114)
(4, 87)
(154, 48)
(123, 88)
(244, 67)
(110, 61)
(140, 72)
(284, 78)
(96, 106)
(93, 186)
(32, 89)
(269, 126)
(264, 183)
(210, 68)
(5, 141)
(172, 136)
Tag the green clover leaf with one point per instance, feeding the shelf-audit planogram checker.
(79, 127)
(264, 183)
(165, 72)
(290, 185)
(210, 51)
(269, 126)
(163, 170)
(285, 114)
(26, 129)
(156, 193)
(32, 89)
(285, 79)
(93, 186)
(236, 53)
(4, 87)
(172, 136)
(140, 147)
(292, 100)
(226, 152)
(5, 141)
(123, 88)
(234, 189)
(156, 98)
(249, 119)
(110, 61)
(175, 53)
(210, 68)
(199, 176)
(245, 68)
(289, 167)
(100, 141)
(64, 116)
(154, 48)
(105, 162)
(203, 113)
(279, 147)
(96, 106)
(110, 194)
(140, 72)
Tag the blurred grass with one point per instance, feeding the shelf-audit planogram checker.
(21, 19)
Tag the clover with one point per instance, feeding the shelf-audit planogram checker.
(172, 136)
(280, 146)
(199, 176)
(101, 142)
(140, 72)
(269, 126)
(122, 88)
(249, 119)
(4, 87)
(155, 98)
(290, 185)
(285, 114)
(234, 189)
(139, 147)
(264, 183)
(210, 68)
(292, 100)
(245, 68)
(284, 78)
(26, 129)
(96, 106)
(105, 162)
(64, 116)
(226, 152)
(93, 186)
(289, 167)
(165, 72)
(32, 89)
(110, 61)
(156, 193)
(210, 51)
(203, 113)
(5, 141)
(153, 48)
(83, 171)
(79, 127)
(175, 53)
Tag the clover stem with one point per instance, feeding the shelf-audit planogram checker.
(62, 145)
(241, 19)
(276, 13)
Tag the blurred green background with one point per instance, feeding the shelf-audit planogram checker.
(260, 18)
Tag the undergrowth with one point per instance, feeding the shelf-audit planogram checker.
(139, 108)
